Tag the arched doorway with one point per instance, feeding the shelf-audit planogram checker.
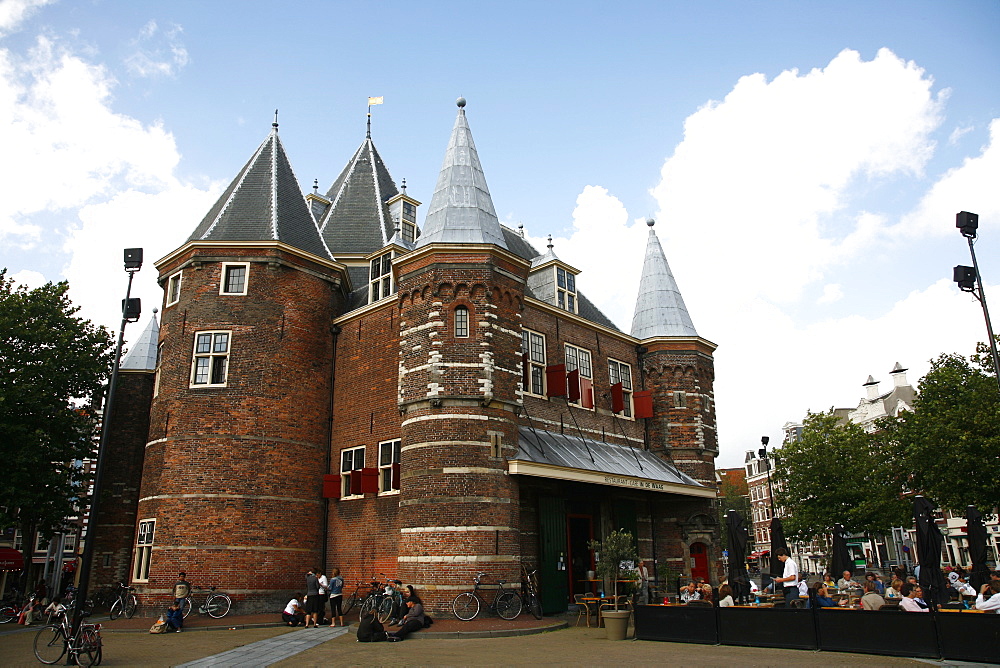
(699, 561)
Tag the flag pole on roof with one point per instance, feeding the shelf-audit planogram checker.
(372, 101)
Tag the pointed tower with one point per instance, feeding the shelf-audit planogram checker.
(678, 368)
(239, 429)
(460, 295)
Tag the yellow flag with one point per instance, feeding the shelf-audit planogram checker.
(374, 100)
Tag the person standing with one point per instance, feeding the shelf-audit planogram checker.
(312, 598)
(324, 595)
(336, 588)
(643, 583)
(790, 577)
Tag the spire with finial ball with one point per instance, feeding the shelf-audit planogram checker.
(460, 102)
(650, 222)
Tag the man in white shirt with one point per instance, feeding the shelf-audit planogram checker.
(993, 602)
(790, 578)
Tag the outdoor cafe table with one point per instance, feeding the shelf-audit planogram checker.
(594, 603)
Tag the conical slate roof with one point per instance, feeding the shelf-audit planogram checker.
(357, 220)
(660, 309)
(461, 210)
(142, 355)
(264, 203)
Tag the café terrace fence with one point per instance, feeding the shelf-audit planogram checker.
(943, 635)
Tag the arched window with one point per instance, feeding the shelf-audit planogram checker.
(461, 321)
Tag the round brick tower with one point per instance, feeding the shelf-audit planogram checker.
(460, 295)
(239, 427)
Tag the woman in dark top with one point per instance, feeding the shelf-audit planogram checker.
(413, 621)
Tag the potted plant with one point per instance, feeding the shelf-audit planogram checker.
(617, 547)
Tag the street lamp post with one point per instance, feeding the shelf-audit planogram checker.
(969, 279)
(764, 440)
(131, 310)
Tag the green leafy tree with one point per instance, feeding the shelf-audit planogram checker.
(839, 473)
(619, 546)
(952, 438)
(51, 363)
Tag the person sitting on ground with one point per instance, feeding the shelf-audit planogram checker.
(54, 609)
(821, 597)
(690, 593)
(871, 600)
(726, 596)
(412, 621)
(879, 585)
(293, 613)
(175, 618)
(993, 602)
(892, 591)
(370, 629)
(847, 582)
(909, 603)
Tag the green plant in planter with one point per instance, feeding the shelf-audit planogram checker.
(617, 547)
(667, 575)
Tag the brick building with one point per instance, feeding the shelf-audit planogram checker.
(335, 386)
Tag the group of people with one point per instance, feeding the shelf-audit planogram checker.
(370, 630)
(311, 611)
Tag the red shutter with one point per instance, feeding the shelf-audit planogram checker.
(369, 480)
(355, 481)
(331, 486)
(617, 398)
(586, 393)
(643, 402)
(525, 373)
(395, 475)
(573, 378)
(555, 378)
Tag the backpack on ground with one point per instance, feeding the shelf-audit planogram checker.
(370, 629)
(428, 621)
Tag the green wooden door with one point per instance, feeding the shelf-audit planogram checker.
(552, 551)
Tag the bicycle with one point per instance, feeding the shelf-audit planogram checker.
(506, 603)
(53, 641)
(529, 592)
(362, 591)
(216, 604)
(10, 609)
(125, 603)
(385, 605)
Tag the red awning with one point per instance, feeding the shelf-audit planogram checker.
(10, 559)
(761, 553)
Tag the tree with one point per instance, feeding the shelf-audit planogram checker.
(952, 438)
(619, 546)
(51, 364)
(839, 473)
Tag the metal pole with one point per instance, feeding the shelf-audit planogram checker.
(986, 312)
(88, 548)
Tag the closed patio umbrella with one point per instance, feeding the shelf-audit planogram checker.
(980, 574)
(738, 539)
(777, 540)
(929, 541)
(842, 560)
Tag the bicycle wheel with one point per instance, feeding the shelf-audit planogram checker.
(8, 613)
(350, 603)
(535, 606)
(369, 605)
(385, 610)
(116, 610)
(50, 644)
(217, 605)
(89, 652)
(186, 606)
(508, 605)
(131, 603)
(466, 606)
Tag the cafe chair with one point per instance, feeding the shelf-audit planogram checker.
(582, 608)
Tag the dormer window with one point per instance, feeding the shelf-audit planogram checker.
(409, 222)
(565, 290)
(380, 278)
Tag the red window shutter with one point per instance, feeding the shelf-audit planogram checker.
(573, 378)
(586, 393)
(555, 378)
(395, 475)
(355, 481)
(643, 404)
(617, 398)
(525, 373)
(331, 486)
(369, 480)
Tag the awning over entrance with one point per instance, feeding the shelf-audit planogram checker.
(546, 454)
(10, 559)
(761, 553)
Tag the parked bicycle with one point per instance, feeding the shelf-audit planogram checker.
(216, 603)
(362, 591)
(385, 600)
(506, 603)
(529, 592)
(126, 602)
(53, 641)
(10, 609)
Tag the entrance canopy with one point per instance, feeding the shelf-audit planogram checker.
(546, 454)
(10, 559)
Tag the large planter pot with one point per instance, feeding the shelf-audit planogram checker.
(616, 623)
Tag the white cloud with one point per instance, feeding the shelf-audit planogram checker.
(832, 292)
(157, 52)
(14, 12)
(958, 133)
(29, 278)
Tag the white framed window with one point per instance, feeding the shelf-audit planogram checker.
(380, 278)
(143, 549)
(235, 276)
(210, 367)
(620, 372)
(409, 228)
(388, 461)
(173, 289)
(351, 459)
(566, 290)
(533, 344)
(461, 322)
(578, 359)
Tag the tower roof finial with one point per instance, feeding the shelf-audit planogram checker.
(550, 246)
(275, 124)
(460, 102)
(650, 222)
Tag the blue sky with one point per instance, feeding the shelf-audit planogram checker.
(804, 161)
